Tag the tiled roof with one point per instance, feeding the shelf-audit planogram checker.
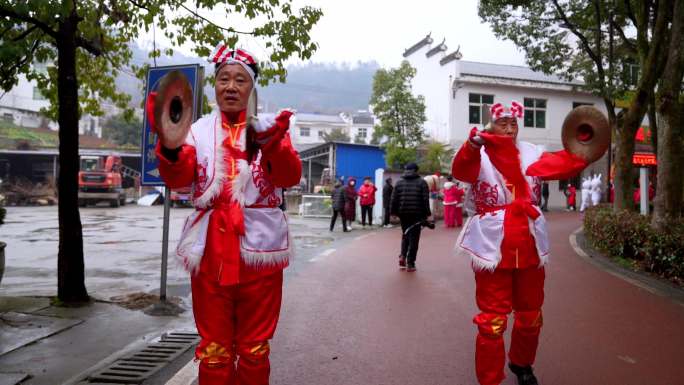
(504, 71)
(318, 118)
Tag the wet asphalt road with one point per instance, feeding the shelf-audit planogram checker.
(122, 248)
(350, 317)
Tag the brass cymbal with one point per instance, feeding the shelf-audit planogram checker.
(586, 133)
(173, 108)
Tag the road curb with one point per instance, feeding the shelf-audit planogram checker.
(640, 280)
(186, 376)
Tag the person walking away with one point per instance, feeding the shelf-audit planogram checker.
(367, 201)
(545, 196)
(450, 202)
(571, 197)
(338, 200)
(386, 198)
(350, 196)
(411, 203)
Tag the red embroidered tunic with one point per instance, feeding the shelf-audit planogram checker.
(221, 258)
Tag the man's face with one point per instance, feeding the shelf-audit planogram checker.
(505, 126)
(233, 86)
(366, 182)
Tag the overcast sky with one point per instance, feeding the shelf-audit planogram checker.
(381, 30)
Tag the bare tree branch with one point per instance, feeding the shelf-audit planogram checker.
(8, 12)
(231, 30)
(10, 71)
(580, 35)
(630, 12)
(90, 46)
(25, 33)
(628, 43)
(139, 5)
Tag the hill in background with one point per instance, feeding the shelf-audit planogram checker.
(326, 88)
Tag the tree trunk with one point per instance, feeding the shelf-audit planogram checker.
(624, 175)
(668, 203)
(70, 266)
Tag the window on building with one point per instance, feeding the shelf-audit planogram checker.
(535, 113)
(321, 134)
(37, 95)
(305, 131)
(577, 104)
(8, 117)
(363, 132)
(631, 74)
(475, 111)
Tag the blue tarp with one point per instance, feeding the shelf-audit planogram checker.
(357, 161)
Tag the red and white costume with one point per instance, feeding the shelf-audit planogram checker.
(453, 204)
(236, 243)
(506, 239)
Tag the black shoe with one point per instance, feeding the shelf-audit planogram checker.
(411, 267)
(524, 373)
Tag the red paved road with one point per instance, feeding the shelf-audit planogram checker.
(352, 317)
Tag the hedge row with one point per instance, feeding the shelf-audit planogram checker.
(628, 235)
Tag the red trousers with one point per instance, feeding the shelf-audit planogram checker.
(235, 323)
(497, 293)
(453, 216)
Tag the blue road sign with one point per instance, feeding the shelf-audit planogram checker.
(150, 165)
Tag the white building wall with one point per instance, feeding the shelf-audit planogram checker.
(24, 105)
(433, 81)
(558, 105)
(356, 127)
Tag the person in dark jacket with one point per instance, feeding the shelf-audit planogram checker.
(386, 198)
(545, 196)
(338, 200)
(411, 203)
(350, 196)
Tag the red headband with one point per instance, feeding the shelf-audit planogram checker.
(223, 55)
(499, 111)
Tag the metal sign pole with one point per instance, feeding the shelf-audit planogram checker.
(165, 243)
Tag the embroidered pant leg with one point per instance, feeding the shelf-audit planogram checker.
(449, 216)
(458, 213)
(257, 311)
(528, 297)
(213, 306)
(494, 299)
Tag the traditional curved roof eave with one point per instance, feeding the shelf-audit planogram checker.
(456, 55)
(441, 47)
(425, 41)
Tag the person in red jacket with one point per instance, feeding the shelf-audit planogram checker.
(453, 203)
(235, 244)
(571, 196)
(367, 201)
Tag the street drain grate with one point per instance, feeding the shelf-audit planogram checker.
(141, 365)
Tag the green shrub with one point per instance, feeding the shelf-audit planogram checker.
(629, 235)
